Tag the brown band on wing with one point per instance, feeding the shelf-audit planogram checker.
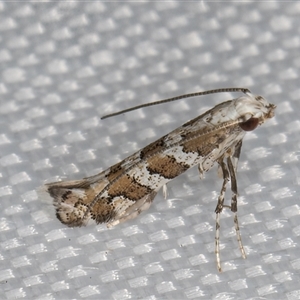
(153, 148)
(128, 187)
(115, 171)
(103, 211)
(206, 143)
(203, 145)
(165, 166)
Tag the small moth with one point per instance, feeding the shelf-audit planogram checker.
(124, 190)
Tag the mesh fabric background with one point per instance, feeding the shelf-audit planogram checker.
(64, 64)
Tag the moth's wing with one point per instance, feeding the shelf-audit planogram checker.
(80, 202)
(77, 204)
(72, 199)
(133, 210)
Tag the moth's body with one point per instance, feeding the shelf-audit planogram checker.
(124, 190)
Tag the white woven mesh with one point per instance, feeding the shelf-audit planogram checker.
(64, 64)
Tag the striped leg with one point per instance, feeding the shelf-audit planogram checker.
(218, 210)
(233, 206)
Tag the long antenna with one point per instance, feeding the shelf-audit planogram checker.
(223, 90)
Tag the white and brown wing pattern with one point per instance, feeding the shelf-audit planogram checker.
(124, 190)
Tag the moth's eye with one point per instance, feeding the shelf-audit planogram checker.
(250, 124)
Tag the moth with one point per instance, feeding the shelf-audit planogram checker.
(124, 190)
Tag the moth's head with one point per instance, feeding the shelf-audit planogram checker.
(253, 111)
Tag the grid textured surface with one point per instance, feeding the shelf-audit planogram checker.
(64, 64)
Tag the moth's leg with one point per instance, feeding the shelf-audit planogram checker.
(165, 191)
(233, 206)
(236, 155)
(134, 210)
(201, 170)
(218, 210)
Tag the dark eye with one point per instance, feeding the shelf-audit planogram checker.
(250, 124)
